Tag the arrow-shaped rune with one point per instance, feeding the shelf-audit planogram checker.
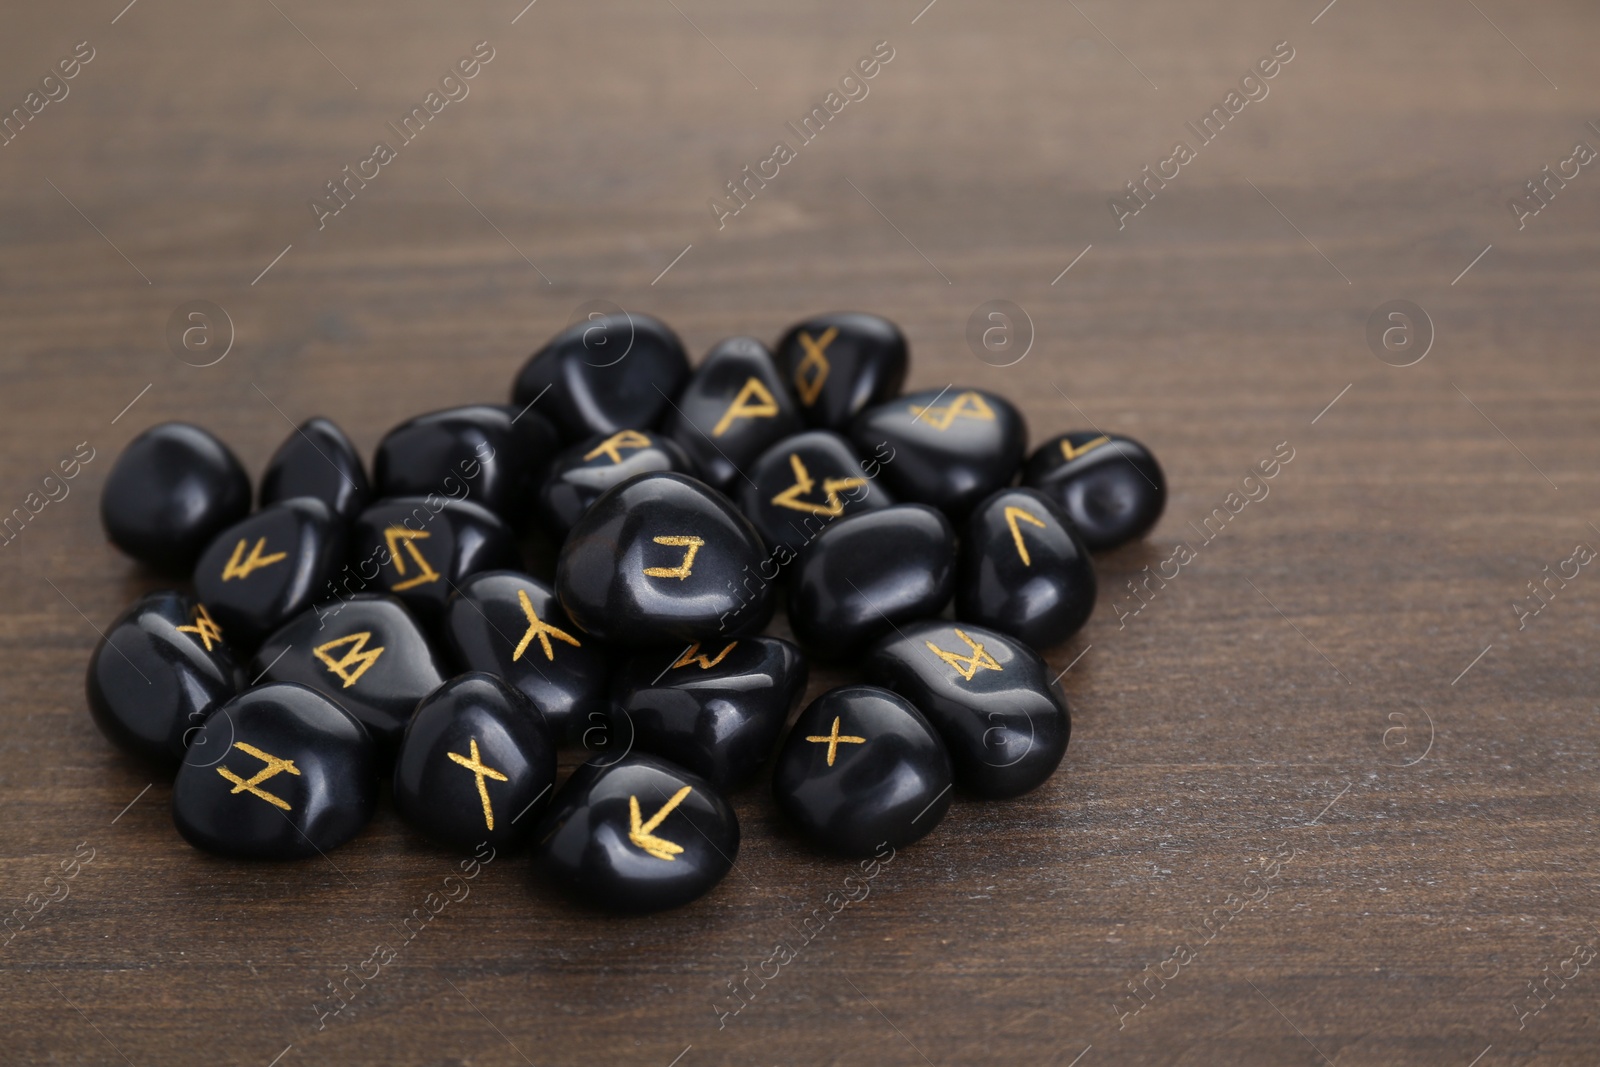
(640, 834)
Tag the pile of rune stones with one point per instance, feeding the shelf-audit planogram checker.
(353, 630)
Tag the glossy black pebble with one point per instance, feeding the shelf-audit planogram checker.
(1110, 486)
(421, 548)
(607, 373)
(734, 408)
(476, 766)
(801, 484)
(259, 573)
(864, 575)
(278, 773)
(318, 460)
(368, 654)
(158, 674)
(842, 363)
(663, 559)
(636, 835)
(510, 624)
(492, 455)
(173, 489)
(861, 767)
(950, 447)
(1024, 571)
(582, 473)
(991, 698)
(716, 708)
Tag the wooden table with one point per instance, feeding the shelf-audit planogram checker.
(1330, 796)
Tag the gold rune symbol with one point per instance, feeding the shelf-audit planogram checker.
(641, 835)
(705, 664)
(812, 371)
(742, 408)
(240, 567)
(1071, 453)
(537, 627)
(804, 483)
(967, 666)
(205, 627)
(274, 766)
(613, 445)
(835, 739)
(1012, 515)
(397, 536)
(968, 405)
(481, 771)
(358, 653)
(684, 569)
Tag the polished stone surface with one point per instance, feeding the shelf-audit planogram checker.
(581, 474)
(158, 673)
(864, 575)
(716, 708)
(317, 459)
(603, 374)
(841, 363)
(734, 408)
(637, 834)
(1002, 718)
(951, 447)
(660, 560)
(801, 484)
(862, 768)
(368, 654)
(279, 772)
(489, 454)
(1110, 486)
(1024, 570)
(510, 624)
(476, 766)
(263, 571)
(171, 491)
(421, 549)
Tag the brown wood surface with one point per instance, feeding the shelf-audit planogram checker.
(1297, 690)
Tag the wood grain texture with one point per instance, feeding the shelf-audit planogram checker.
(1298, 690)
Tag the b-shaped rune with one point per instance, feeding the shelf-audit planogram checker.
(274, 766)
(835, 739)
(240, 567)
(357, 656)
(538, 628)
(812, 371)
(482, 771)
(641, 833)
(398, 536)
(967, 666)
(684, 569)
(804, 483)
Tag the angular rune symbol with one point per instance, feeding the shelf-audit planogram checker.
(274, 766)
(358, 653)
(968, 405)
(240, 567)
(804, 483)
(765, 406)
(397, 536)
(205, 627)
(481, 771)
(684, 569)
(613, 445)
(812, 371)
(538, 628)
(967, 666)
(1012, 515)
(835, 739)
(641, 833)
(705, 664)
(1070, 453)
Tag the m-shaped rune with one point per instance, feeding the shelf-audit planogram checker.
(481, 771)
(640, 833)
(835, 739)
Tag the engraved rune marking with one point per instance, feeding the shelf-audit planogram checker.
(205, 627)
(684, 569)
(968, 405)
(538, 628)
(481, 771)
(640, 833)
(1071, 453)
(613, 445)
(812, 371)
(804, 483)
(742, 408)
(1012, 515)
(967, 666)
(398, 536)
(835, 739)
(240, 567)
(705, 664)
(358, 656)
(274, 766)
